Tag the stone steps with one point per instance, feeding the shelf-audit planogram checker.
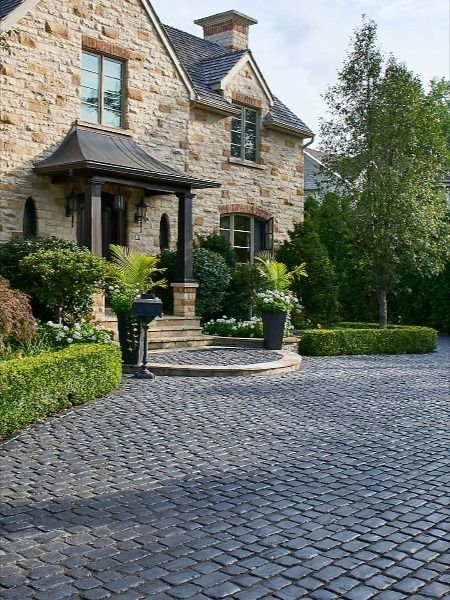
(169, 331)
(191, 341)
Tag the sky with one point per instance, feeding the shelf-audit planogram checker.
(301, 44)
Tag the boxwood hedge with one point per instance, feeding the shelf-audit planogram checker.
(349, 340)
(32, 388)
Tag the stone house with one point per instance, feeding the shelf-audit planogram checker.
(118, 129)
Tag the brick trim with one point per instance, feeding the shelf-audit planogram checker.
(247, 100)
(91, 43)
(246, 209)
(227, 26)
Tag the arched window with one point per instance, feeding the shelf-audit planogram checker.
(164, 232)
(247, 234)
(29, 226)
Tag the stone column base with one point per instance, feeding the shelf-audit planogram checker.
(184, 299)
(98, 308)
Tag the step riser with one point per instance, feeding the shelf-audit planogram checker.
(175, 321)
(160, 333)
(178, 344)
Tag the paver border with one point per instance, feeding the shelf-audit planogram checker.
(288, 362)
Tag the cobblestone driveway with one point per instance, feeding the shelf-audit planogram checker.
(325, 483)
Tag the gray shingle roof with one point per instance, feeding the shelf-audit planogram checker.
(215, 69)
(7, 6)
(192, 51)
(208, 63)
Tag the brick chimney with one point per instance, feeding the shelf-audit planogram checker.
(229, 29)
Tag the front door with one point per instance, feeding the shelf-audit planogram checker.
(114, 226)
(114, 229)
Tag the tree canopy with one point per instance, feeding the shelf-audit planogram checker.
(388, 139)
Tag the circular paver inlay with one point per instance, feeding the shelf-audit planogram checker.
(215, 356)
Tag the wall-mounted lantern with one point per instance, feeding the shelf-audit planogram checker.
(72, 205)
(140, 216)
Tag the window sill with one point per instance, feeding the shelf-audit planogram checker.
(246, 163)
(109, 128)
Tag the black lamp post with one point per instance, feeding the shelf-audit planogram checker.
(146, 308)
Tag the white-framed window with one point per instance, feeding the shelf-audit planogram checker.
(244, 134)
(101, 89)
(247, 234)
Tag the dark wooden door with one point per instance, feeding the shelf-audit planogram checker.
(114, 226)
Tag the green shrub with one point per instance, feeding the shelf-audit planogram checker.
(245, 282)
(35, 387)
(394, 340)
(217, 243)
(210, 272)
(12, 252)
(59, 276)
(318, 293)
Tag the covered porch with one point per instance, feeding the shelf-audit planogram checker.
(93, 160)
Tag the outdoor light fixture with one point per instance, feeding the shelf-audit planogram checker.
(146, 308)
(140, 216)
(72, 205)
(119, 202)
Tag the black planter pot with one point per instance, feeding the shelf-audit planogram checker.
(131, 339)
(273, 326)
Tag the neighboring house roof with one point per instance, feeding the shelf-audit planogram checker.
(315, 181)
(208, 63)
(97, 150)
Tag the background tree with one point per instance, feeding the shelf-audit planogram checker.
(385, 137)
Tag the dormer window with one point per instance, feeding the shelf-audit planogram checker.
(244, 134)
(101, 89)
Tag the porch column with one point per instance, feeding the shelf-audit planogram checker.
(93, 197)
(184, 290)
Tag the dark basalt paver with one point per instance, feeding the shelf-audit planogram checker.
(327, 483)
(215, 356)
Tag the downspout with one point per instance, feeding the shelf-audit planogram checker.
(311, 141)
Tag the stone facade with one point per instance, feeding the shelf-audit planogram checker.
(40, 100)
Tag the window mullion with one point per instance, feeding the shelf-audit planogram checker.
(243, 133)
(101, 89)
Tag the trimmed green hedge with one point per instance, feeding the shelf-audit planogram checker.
(35, 387)
(395, 340)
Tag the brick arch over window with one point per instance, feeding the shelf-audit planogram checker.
(245, 209)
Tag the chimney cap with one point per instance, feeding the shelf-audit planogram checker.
(229, 15)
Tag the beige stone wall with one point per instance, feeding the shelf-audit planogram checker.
(273, 186)
(39, 95)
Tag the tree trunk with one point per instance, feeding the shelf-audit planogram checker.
(382, 308)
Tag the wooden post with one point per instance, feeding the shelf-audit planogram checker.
(184, 242)
(94, 216)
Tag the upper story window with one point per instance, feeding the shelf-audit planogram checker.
(101, 89)
(244, 134)
(247, 235)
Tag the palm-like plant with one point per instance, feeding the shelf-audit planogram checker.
(276, 274)
(132, 273)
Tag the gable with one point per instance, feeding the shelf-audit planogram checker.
(245, 78)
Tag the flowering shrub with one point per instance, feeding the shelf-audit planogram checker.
(275, 301)
(60, 336)
(225, 327)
